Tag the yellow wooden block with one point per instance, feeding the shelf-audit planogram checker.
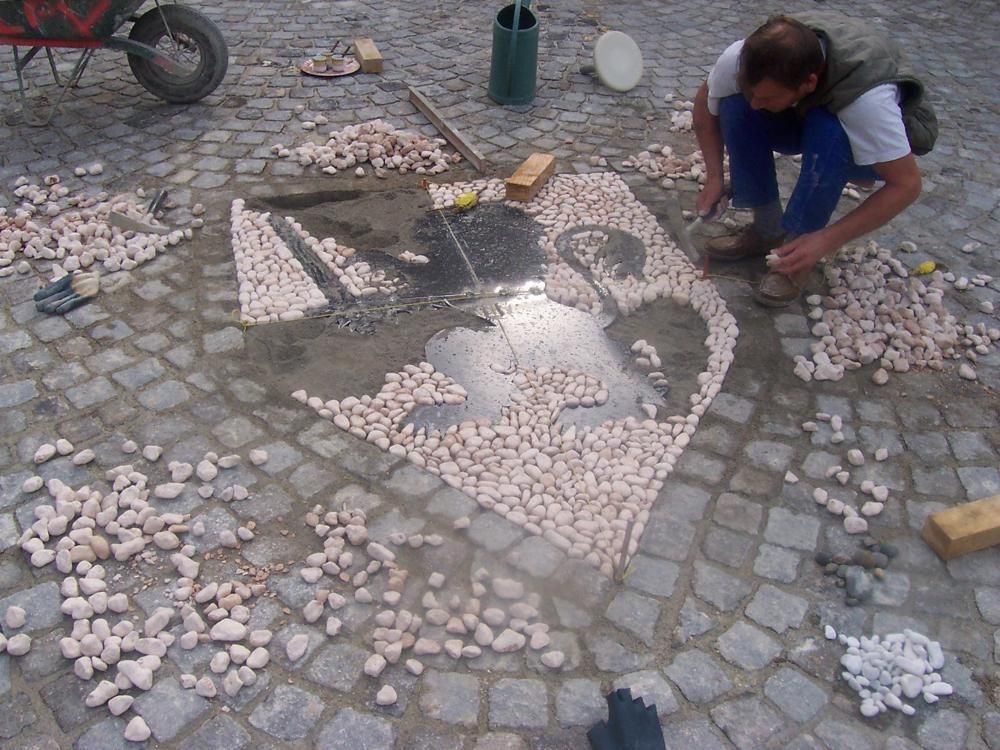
(964, 528)
(529, 178)
(368, 55)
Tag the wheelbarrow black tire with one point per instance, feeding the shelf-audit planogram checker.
(194, 28)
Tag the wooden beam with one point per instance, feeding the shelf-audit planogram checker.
(455, 138)
(368, 55)
(529, 178)
(964, 528)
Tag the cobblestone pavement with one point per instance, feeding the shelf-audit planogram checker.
(721, 620)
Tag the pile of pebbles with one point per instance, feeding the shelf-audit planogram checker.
(887, 671)
(580, 488)
(855, 519)
(273, 285)
(376, 143)
(72, 231)
(15, 618)
(84, 530)
(659, 162)
(859, 573)
(498, 616)
(875, 311)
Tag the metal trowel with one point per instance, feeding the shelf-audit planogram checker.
(128, 224)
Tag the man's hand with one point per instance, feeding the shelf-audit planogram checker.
(709, 196)
(802, 253)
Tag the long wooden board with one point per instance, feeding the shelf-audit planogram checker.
(455, 138)
(964, 528)
(529, 178)
(368, 55)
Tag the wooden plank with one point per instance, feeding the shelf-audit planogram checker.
(368, 55)
(529, 178)
(964, 528)
(455, 138)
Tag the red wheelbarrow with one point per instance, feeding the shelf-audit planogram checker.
(175, 53)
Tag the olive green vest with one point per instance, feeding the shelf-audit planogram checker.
(858, 58)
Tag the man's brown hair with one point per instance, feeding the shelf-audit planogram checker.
(783, 50)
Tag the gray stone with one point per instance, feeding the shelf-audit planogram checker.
(338, 666)
(280, 456)
(165, 395)
(139, 375)
(635, 613)
(217, 733)
(225, 340)
(570, 615)
(519, 704)
(611, 656)
(718, 588)
(692, 622)
(738, 513)
(15, 714)
(15, 341)
(667, 537)
(988, 601)
(108, 734)
(979, 481)
(945, 729)
(236, 432)
(768, 454)
(106, 360)
(536, 557)
(733, 408)
(91, 393)
(116, 330)
(580, 703)
(728, 547)
(747, 647)
(693, 734)
(493, 533)
(247, 391)
(452, 698)
(777, 563)
(309, 479)
(168, 708)
(794, 530)
(777, 609)
(652, 688)
(656, 577)
(288, 713)
(795, 694)
(748, 722)
(698, 676)
(991, 729)
(839, 735)
(40, 603)
(351, 730)
(411, 482)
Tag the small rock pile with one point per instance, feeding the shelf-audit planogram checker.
(852, 571)
(876, 312)
(19, 644)
(460, 627)
(72, 231)
(884, 671)
(659, 162)
(89, 529)
(853, 522)
(376, 143)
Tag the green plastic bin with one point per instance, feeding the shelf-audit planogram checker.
(514, 63)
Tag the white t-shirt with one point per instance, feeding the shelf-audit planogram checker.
(873, 122)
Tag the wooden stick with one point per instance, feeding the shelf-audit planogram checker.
(964, 528)
(455, 138)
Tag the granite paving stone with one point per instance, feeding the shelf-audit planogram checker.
(636, 614)
(693, 733)
(794, 530)
(698, 676)
(452, 698)
(777, 609)
(353, 730)
(288, 713)
(653, 576)
(650, 685)
(747, 647)
(748, 722)
(220, 731)
(168, 708)
(795, 694)
(518, 704)
(721, 589)
(840, 735)
(777, 563)
(580, 702)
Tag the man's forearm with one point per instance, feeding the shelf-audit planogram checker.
(878, 209)
(709, 135)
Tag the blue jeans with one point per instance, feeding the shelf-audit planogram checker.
(751, 136)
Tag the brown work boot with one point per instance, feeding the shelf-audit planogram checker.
(778, 290)
(747, 244)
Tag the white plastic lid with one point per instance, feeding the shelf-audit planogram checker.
(618, 61)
